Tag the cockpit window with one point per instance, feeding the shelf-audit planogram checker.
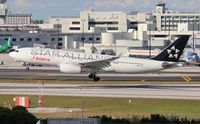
(17, 51)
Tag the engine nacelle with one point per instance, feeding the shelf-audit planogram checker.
(70, 68)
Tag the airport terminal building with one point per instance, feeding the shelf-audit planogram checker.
(103, 30)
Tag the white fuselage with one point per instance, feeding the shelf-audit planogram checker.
(58, 57)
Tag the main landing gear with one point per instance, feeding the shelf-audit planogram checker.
(93, 75)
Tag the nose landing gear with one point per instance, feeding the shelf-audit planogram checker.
(27, 68)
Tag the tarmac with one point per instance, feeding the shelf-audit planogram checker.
(170, 91)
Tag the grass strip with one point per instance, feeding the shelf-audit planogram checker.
(115, 107)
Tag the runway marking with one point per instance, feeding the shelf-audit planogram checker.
(187, 78)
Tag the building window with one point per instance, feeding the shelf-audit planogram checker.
(21, 39)
(133, 27)
(60, 44)
(75, 23)
(112, 28)
(74, 28)
(103, 23)
(52, 39)
(29, 39)
(5, 39)
(133, 23)
(14, 39)
(60, 39)
(184, 17)
(82, 38)
(44, 43)
(176, 17)
(57, 26)
(90, 39)
(97, 38)
(113, 23)
(37, 39)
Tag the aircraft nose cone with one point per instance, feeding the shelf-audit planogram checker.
(11, 54)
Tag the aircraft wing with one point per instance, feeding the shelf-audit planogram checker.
(98, 64)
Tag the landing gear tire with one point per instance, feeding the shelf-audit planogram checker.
(27, 68)
(91, 76)
(96, 79)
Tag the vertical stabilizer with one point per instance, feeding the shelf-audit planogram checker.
(7, 45)
(174, 50)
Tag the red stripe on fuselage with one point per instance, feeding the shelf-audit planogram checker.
(40, 59)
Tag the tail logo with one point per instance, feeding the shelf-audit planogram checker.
(173, 52)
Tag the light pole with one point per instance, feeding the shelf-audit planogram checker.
(169, 30)
(150, 42)
(41, 95)
(82, 37)
(193, 43)
(82, 117)
(198, 25)
(149, 25)
(93, 48)
(58, 20)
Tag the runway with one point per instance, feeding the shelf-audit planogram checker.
(52, 73)
(105, 90)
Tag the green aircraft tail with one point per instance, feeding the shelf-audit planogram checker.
(7, 45)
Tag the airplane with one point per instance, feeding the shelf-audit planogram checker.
(192, 58)
(6, 46)
(76, 62)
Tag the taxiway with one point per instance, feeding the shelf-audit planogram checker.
(52, 73)
(105, 90)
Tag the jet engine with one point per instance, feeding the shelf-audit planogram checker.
(70, 68)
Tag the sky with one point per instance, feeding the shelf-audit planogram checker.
(43, 9)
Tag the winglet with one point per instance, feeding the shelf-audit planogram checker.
(119, 55)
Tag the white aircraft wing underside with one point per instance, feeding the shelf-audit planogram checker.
(98, 64)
